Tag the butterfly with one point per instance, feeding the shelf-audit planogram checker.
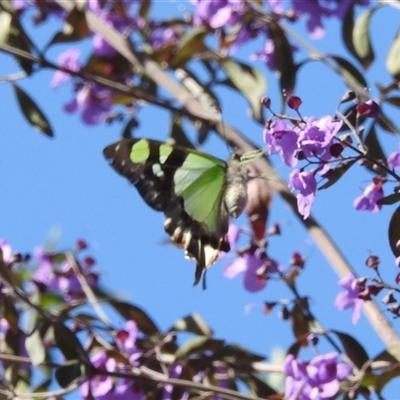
(198, 193)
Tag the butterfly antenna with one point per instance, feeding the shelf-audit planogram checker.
(252, 155)
(218, 110)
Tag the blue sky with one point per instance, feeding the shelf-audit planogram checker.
(64, 185)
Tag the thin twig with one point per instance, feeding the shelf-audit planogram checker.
(87, 290)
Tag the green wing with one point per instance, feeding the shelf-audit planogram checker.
(187, 185)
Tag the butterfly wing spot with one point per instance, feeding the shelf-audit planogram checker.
(157, 170)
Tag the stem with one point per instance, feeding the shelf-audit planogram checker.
(92, 299)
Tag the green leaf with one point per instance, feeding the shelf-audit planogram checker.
(394, 232)
(361, 39)
(334, 174)
(49, 300)
(18, 38)
(69, 344)
(198, 345)
(192, 323)
(300, 324)
(68, 373)
(191, 44)
(393, 58)
(391, 199)
(283, 58)
(353, 349)
(352, 76)
(232, 353)
(248, 81)
(394, 101)
(347, 30)
(387, 124)
(32, 112)
(144, 8)
(75, 28)
(391, 354)
(131, 312)
(10, 313)
(374, 148)
(35, 348)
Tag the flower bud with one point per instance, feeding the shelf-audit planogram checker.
(373, 262)
(81, 244)
(369, 109)
(336, 149)
(294, 102)
(266, 101)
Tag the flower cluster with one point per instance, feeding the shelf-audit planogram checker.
(311, 139)
(316, 142)
(62, 275)
(233, 22)
(317, 379)
(104, 386)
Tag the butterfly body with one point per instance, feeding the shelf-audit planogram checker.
(198, 193)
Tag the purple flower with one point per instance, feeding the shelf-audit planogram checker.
(68, 282)
(314, 12)
(304, 182)
(316, 138)
(93, 102)
(393, 161)
(280, 137)
(218, 13)
(247, 31)
(21, 4)
(45, 274)
(62, 279)
(175, 372)
(369, 109)
(255, 266)
(126, 341)
(368, 200)
(68, 59)
(162, 36)
(119, 21)
(349, 297)
(276, 6)
(103, 387)
(267, 55)
(317, 379)
(100, 385)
